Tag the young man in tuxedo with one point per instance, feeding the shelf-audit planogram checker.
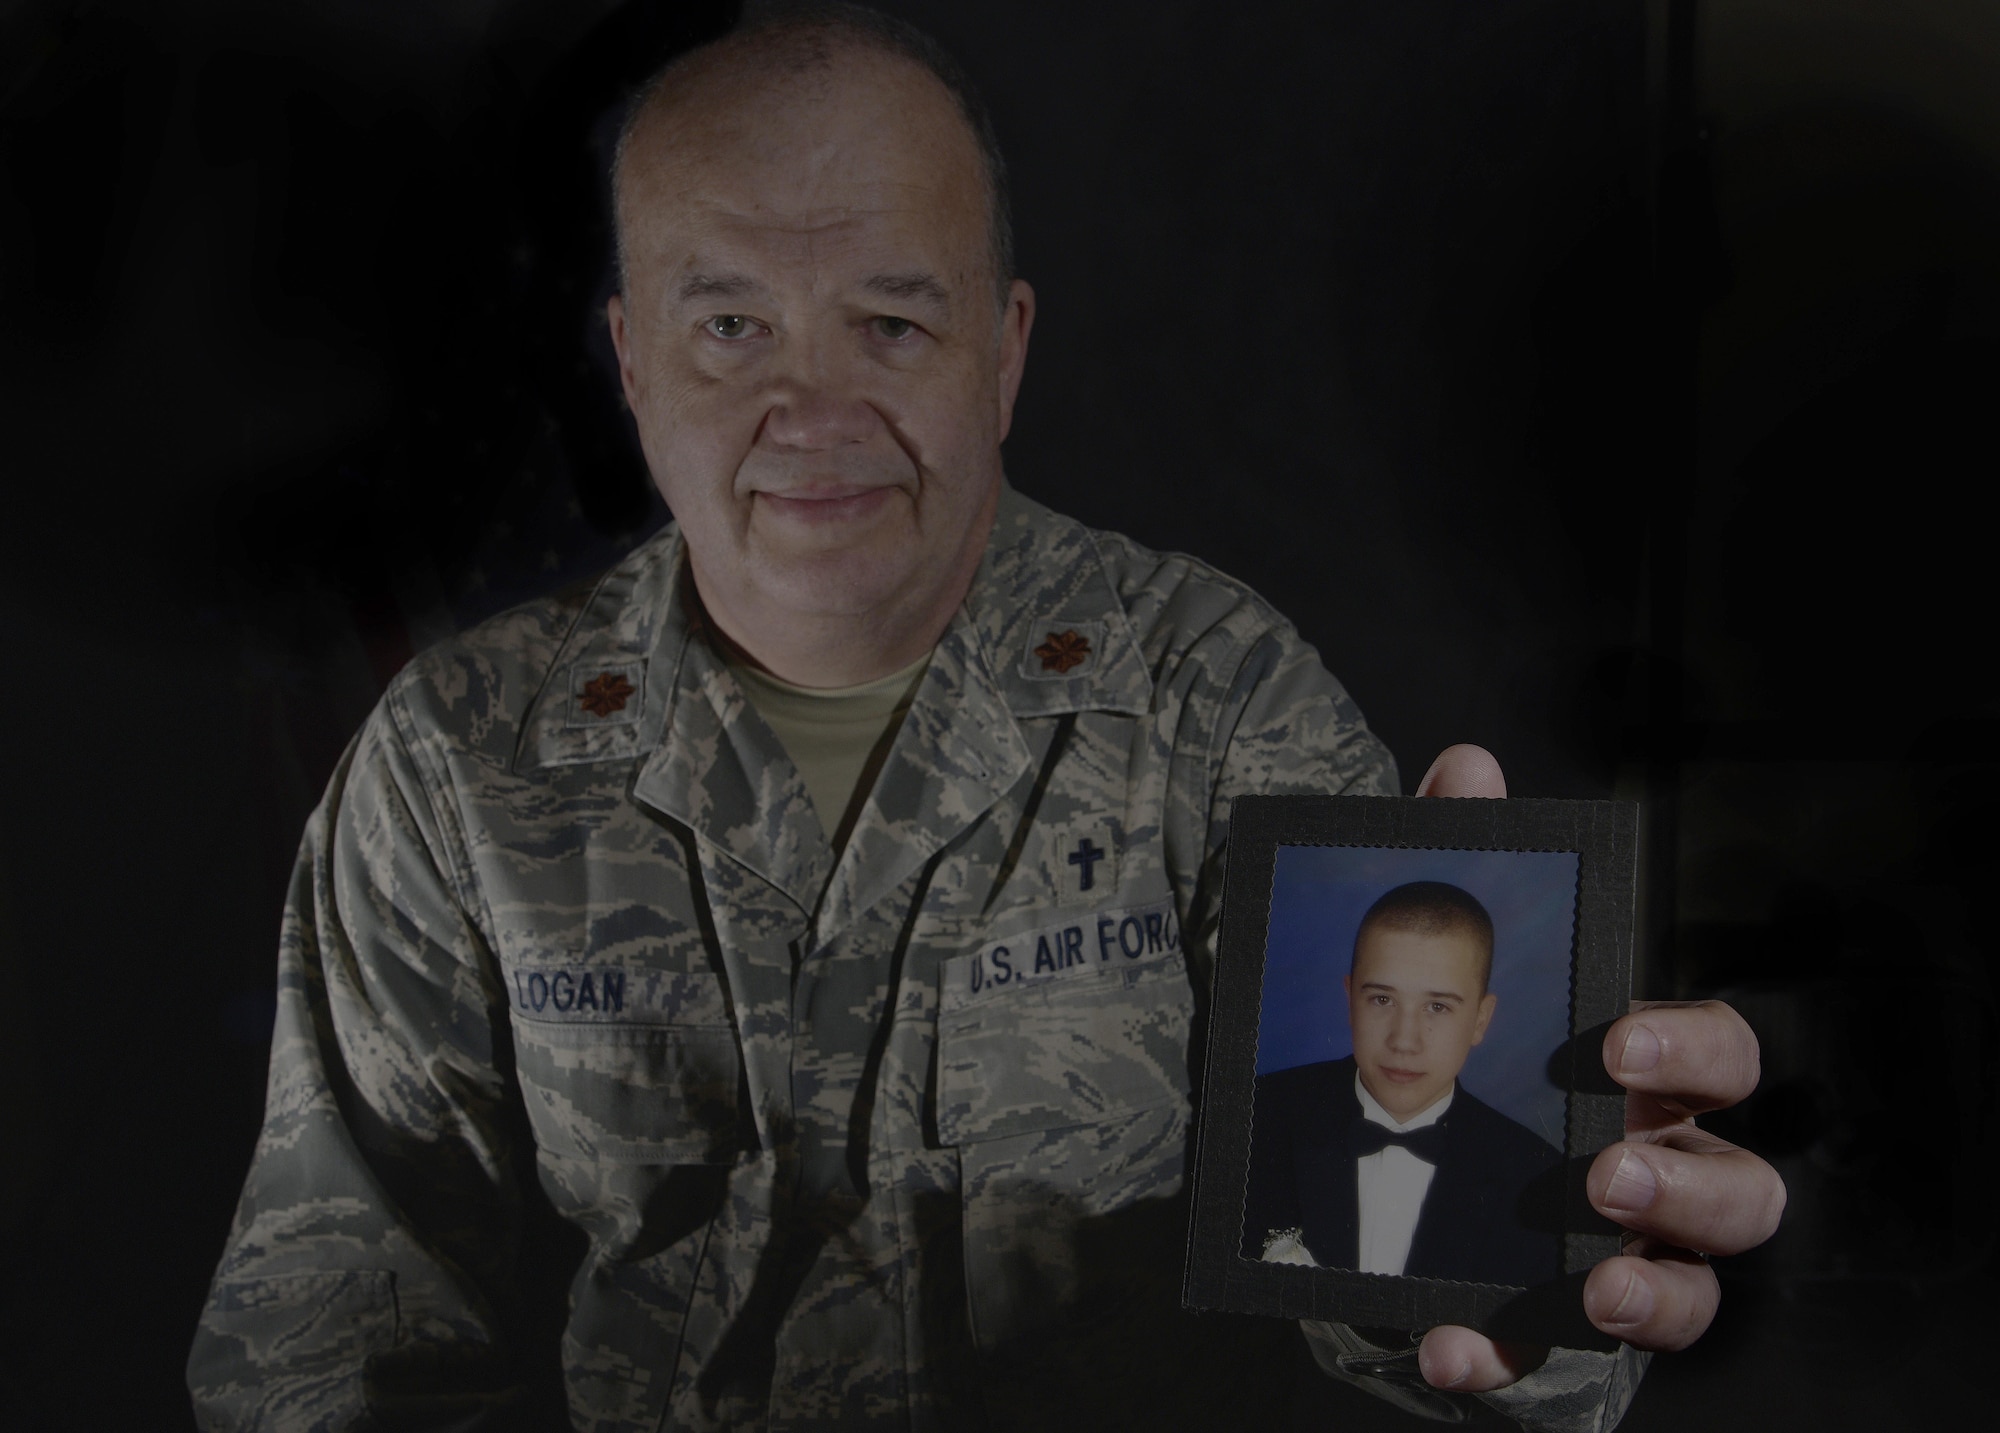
(1381, 1162)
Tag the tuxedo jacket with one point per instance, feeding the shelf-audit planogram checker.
(1492, 1212)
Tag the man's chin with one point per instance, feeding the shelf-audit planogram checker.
(817, 549)
(1401, 1095)
(836, 585)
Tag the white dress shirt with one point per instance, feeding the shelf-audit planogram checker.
(1391, 1184)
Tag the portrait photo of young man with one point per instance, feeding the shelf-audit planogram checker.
(1380, 1160)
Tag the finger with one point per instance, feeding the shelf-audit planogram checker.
(1689, 1057)
(1690, 1189)
(1463, 770)
(1458, 1358)
(1665, 1302)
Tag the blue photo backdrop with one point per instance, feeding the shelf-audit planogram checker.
(1320, 893)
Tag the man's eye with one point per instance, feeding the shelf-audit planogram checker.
(729, 325)
(893, 328)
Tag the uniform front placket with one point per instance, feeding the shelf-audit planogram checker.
(762, 861)
(863, 1027)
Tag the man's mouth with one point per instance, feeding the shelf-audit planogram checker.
(842, 502)
(1401, 1077)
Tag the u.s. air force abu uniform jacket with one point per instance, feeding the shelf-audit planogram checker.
(894, 1139)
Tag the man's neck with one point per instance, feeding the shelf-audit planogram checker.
(826, 653)
(1373, 1109)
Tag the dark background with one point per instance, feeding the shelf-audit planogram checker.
(1608, 382)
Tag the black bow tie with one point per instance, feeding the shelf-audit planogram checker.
(1426, 1143)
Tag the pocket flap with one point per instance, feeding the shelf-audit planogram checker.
(1051, 1054)
(632, 1094)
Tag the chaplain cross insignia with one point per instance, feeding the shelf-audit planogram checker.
(1086, 855)
(1064, 650)
(605, 694)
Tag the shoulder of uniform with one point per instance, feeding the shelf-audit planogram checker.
(1173, 593)
(477, 688)
(1177, 634)
(1167, 602)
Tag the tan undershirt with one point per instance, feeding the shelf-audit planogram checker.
(838, 737)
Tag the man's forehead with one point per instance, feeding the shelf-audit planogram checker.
(858, 164)
(1389, 956)
(862, 121)
(780, 214)
(714, 252)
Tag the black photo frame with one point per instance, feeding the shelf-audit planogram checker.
(1389, 835)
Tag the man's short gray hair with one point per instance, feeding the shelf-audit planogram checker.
(804, 37)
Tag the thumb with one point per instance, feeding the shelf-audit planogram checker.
(1463, 770)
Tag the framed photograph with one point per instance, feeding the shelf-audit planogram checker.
(1404, 1079)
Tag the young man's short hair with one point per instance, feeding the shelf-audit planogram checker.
(1433, 908)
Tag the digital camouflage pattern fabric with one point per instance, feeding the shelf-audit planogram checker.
(894, 1140)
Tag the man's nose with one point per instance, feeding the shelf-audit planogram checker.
(1403, 1033)
(815, 408)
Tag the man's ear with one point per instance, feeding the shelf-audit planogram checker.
(1486, 1004)
(1017, 319)
(1347, 987)
(621, 342)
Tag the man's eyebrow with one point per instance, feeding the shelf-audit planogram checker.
(716, 286)
(1393, 989)
(908, 286)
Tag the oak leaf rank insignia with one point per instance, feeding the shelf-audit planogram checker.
(605, 694)
(1064, 650)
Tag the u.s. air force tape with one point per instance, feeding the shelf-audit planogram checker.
(1070, 949)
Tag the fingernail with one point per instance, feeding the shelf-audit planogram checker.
(1635, 1308)
(1641, 1052)
(1431, 1375)
(1632, 1186)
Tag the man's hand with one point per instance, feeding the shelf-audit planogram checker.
(1678, 1187)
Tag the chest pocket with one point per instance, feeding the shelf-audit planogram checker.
(1062, 1081)
(1063, 1027)
(651, 1079)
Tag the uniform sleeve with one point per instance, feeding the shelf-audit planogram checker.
(360, 1286)
(1285, 726)
(1266, 719)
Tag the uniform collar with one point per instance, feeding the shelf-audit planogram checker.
(607, 693)
(1041, 584)
(635, 681)
(1053, 627)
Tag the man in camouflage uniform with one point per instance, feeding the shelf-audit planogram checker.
(882, 1130)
